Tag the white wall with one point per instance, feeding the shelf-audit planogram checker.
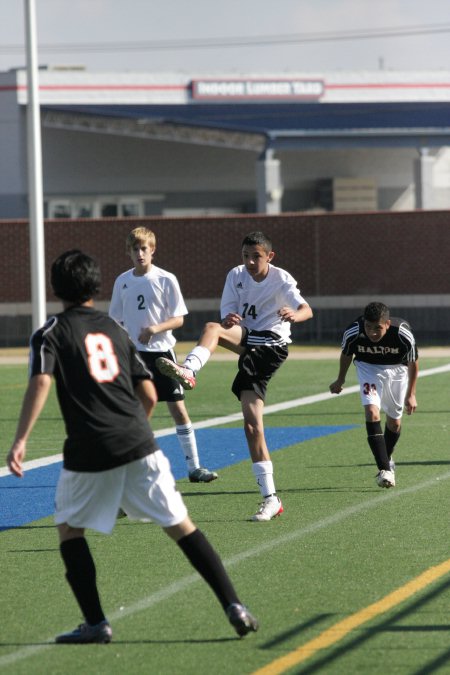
(13, 171)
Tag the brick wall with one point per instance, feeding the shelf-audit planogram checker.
(330, 254)
(367, 254)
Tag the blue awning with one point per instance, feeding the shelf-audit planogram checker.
(297, 125)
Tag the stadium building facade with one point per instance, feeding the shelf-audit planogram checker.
(348, 172)
(138, 144)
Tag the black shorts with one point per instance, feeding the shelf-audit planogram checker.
(257, 365)
(167, 388)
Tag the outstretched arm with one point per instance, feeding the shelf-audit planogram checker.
(344, 364)
(32, 405)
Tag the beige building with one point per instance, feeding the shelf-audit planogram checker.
(117, 144)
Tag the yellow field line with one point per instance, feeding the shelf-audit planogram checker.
(344, 627)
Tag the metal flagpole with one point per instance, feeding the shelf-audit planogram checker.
(34, 156)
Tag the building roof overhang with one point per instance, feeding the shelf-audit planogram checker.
(255, 127)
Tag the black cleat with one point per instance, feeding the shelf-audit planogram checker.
(100, 633)
(242, 621)
(202, 475)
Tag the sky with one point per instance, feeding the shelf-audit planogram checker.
(231, 36)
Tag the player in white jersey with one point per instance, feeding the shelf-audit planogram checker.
(259, 304)
(383, 349)
(147, 300)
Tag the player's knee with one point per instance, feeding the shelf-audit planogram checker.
(212, 327)
(253, 429)
(67, 532)
(372, 413)
(394, 425)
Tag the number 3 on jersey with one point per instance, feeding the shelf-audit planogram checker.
(369, 389)
(102, 360)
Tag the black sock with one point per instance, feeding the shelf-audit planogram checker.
(391, 438)
(377, 444)
(81, 576)
(206, 561)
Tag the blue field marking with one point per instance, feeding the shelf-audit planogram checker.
(23, 500)
(219, 448)
(32, 497)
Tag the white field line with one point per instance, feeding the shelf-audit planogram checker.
(183, 583)
(216, 421)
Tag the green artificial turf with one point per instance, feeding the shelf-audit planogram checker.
(341, 545)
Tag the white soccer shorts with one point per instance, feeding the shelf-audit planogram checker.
(383, 386)
(145, 489)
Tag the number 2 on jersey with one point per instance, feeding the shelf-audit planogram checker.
(102, 360)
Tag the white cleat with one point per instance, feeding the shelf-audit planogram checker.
(386, 479)
(183, 375)
(270, 508)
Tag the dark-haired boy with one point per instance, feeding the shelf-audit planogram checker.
(259, 304)
(384, 352)
(110, 456)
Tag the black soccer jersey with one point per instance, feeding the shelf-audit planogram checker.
(396, 347)
(95, 366)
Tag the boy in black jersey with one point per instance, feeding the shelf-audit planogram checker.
(110, 456)
(384, 352)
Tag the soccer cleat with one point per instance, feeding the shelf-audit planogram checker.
(183, 375)
(270, 508)
(242, 621)
(385, 479)
(100, 633)
(391, 464)
(202, 475)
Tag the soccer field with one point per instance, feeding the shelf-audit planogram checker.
(351, 579)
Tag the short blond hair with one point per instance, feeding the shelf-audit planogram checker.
(139, 235)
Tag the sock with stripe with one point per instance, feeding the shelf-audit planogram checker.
(263, 472)
(197, 358)
(377, 444)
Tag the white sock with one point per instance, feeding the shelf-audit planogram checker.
(263, 472)
(188, 442)
(197, 358)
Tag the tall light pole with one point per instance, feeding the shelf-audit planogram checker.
(34, 161)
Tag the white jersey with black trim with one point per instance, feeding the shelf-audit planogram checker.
(147, 300)
(258, 303)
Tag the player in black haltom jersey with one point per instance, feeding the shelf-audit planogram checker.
(110, 457)
(384, 352)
